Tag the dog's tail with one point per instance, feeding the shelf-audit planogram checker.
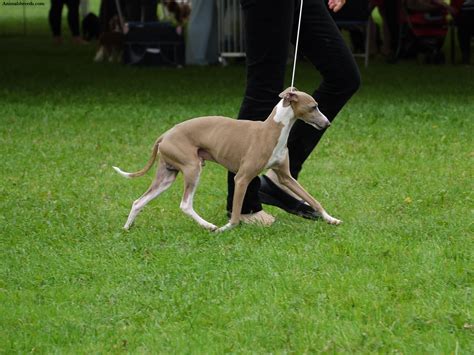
(146, 167)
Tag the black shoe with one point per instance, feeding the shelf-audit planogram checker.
(271, 194)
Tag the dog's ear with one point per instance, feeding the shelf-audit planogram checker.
(289, 95)
(286, 91)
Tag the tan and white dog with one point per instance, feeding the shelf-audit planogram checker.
(243, 147)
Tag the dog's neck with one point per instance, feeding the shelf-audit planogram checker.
(282, 119)
(282, 115)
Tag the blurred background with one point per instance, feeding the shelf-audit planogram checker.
(167, 32)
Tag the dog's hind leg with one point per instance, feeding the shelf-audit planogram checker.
(191, 180)
(163, 180)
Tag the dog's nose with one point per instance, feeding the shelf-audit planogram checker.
(329, 124)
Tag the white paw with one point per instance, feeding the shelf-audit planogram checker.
(225, 228)
(211, 227)
(334, 221)
(331, 220)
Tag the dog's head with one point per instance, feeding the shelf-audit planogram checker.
(114, 24)
(304, 107)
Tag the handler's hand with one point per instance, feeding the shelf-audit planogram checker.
(336, 5)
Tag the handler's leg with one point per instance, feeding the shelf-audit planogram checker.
(268, 28)
(321, 42)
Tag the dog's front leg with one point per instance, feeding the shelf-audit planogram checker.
(241, 183)
(285, 178)
(295, 187)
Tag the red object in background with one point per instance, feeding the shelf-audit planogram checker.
(429, 23)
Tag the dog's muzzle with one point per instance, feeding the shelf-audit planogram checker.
(320, 121)
(318, 125)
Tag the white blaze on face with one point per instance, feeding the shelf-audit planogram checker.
(285, 116)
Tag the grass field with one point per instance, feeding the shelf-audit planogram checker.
(396, 167)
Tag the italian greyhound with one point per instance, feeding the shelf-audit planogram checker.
(244, 147)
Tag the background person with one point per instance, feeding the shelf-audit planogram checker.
(141, 10)
(464, 18)
(55, 15)
(201, 42)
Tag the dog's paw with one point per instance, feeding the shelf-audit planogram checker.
(211, 227)
(329, 219)
(334, 221)
(225, 228)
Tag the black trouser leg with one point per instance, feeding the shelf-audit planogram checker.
(392, 13)
(149, 10)
(321, 42)
(465, 23)
(133, 10)
(55, 13)
(73, 16)
(270, 26)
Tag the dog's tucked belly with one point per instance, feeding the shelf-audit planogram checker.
(230, 164)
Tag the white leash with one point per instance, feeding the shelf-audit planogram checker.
(296, 46)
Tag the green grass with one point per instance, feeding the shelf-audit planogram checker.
(396, 167)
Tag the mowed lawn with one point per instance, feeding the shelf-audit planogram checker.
(396, 167)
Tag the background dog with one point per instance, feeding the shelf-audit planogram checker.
(111, 43)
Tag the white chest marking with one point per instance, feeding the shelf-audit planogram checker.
(285, 116)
